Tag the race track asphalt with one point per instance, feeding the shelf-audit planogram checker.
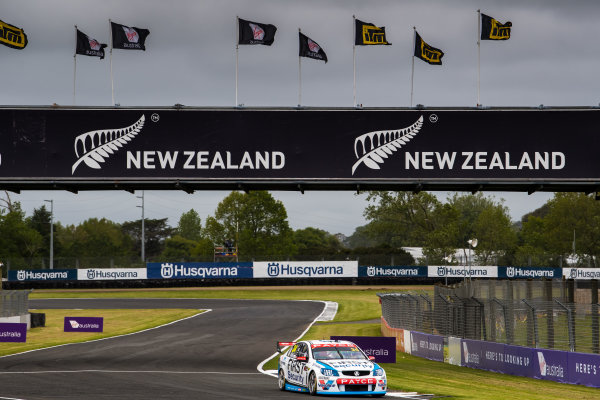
(211, 356)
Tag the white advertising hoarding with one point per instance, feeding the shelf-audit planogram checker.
(110, 274)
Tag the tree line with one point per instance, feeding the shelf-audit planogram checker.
(566, 227)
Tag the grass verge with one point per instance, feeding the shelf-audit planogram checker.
(116, 322)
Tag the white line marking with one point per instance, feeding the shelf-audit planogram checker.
(110, 337)
(10, 398)
(123, 372)
(259, 367)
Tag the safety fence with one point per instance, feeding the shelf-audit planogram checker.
(14, 303)
(536, 314)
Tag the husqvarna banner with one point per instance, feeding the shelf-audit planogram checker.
(313, 147)
(581, 273)
(110, 274)
(306, 269)
(43, 275)
(389, 271)
(530, 272)
(462, 271)
(198, 270)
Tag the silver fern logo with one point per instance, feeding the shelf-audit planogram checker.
(373, 148)
(94, 147)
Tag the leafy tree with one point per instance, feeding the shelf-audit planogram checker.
(312, 242)
(190, 226)
(257, 220)
(95, 238)
(177, 248)
(156, 231)
(17, 239)
(40, 221)
(493, 229)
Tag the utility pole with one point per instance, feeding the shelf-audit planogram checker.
(51, 233)
(143, 228)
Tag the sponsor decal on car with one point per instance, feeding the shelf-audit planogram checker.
(356, 381)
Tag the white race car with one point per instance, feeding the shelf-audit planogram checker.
(329, 367)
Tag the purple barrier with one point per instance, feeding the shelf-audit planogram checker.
(427, 346)
(584, 369)
(554, 365)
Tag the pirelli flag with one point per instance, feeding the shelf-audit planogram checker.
(367, 34)
(491, 29)
(128, 37)
(427, 53)
(12, 36)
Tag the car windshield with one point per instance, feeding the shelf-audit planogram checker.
(338, 353)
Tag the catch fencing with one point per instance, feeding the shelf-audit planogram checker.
(537, 314)
(14, 303)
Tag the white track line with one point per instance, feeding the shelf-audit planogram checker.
(327, 312)
(110, 337)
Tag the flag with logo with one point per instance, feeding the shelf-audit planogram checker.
(491, 29)
(427, 53)
(128, 37)
(12, 36)
(88, 46)
(369, 34)
(255, 32)
(311, 49)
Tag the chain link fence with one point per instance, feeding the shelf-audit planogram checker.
(540, 314)
(14, 303)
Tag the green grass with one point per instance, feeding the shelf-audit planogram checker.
(360, 304)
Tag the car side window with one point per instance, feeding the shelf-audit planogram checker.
(293, 351)
(302, 350)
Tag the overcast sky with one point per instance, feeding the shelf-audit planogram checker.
(552, 58)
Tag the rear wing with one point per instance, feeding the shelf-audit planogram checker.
(283, 345)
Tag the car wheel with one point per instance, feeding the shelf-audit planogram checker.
(312, 384)
(281, 380)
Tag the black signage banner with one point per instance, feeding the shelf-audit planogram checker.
(441, 149)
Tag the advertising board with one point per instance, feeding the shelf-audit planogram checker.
(199, 270)
(306, 269)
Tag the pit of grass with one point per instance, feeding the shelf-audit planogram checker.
(116, 322)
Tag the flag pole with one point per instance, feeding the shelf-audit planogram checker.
(354, 60)
(478, 55)
(75, 65)
(412, 75)
(299, 76)
(112, 84)
(237, 50)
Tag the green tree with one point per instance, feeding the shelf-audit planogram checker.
(17, 239)
(178, 248)
(40, 221)
(155, 233)
(257, 220)
(316, 243)
(190, 226)
(95, 238)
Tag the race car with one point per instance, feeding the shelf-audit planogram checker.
(334, 367)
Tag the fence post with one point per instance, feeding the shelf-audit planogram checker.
(571, 325)
(595, 322)
(549, 312)
(429, 312)
(509, 318)
(532, 323)
(482, 311)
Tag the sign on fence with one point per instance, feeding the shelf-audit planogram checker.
(581, 273)
(386, 271)
(462, 271)
(306, 269)
(43, 275)
(198, 270)
(427, 346)
(530, 272)
(110, 274)
(13, 332)
(382, 348)
(84, 324)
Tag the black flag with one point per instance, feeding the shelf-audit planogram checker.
(256, 33)
(89, 47)
(491, 29)
(369, 34)
(128, 38)
(311, 49)
(426, 52)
